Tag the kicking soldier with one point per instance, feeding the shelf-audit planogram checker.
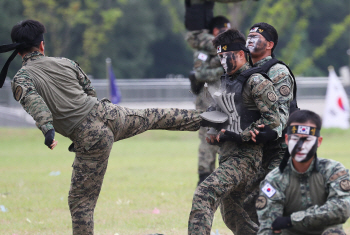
(305, 194)
(59, 96)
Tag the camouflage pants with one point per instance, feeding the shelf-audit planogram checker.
(273, 153)
(93, 140)
(206, 154)
(334, 230)
(226, 187)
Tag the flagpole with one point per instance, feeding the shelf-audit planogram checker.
(108, 64)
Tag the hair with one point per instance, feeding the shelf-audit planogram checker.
(27, 31)
(229, 36)
(270, 30)
(303, 116)
(217, 22)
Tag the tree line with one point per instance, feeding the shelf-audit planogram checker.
(145, 39)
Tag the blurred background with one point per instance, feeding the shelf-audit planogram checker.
(149, 57)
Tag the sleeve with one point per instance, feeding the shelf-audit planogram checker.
(85, 83)
(269, 205)
(284, 85)
(265, 98)
(336, 209)
(24, 91)
(201, 40)
(207, 68)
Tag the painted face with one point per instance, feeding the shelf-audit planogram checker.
(228, 61)
(256, 43)
(302, 148)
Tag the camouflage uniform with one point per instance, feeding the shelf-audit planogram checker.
(93, 132)
(222, 1)
(273, 151)
(318, 201)
(208, 70)
(238, 163)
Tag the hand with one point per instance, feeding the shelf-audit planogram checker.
(49, 139)
(225, 135)
(256, 132)
(281, 223)
(211, 140)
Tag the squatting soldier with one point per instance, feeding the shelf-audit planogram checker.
(59, 96)
(245, 102)
(207, 69)
(305, 195)
(261, 42)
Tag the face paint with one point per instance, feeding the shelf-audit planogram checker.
(228, 62)
(255, 43)
(302, 149)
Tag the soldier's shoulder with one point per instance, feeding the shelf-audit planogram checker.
(278, 69)
(256, 78)
(274, 176)
(66, 60)
(330, 168)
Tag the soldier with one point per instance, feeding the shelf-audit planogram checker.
(59, 96)
(207, 69)
(305, 194)
(261, 42)
(243, 102)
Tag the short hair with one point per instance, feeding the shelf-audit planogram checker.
(303, 116)
(229, 36)
(27, 31)
(218, 22)
(270, 30)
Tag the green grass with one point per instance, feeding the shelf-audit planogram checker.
(157, 169)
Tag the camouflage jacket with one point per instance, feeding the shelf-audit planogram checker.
(206, 64)
(54, 91)
(315, 200)
(259, 94)
(284, 85)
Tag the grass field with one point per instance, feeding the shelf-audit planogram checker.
(155, 170)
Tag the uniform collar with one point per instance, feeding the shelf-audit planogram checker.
(313, 166)
(32, 56)
(240, 70)
(262, 61)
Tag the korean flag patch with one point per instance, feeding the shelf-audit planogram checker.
(219, 49)
(254, 29)
(304, 130)
(202, 56)
(268, 190)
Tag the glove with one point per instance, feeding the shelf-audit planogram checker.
(230, 136)
(49, 136)
(282, 223)
(266, 135)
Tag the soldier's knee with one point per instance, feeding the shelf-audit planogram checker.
(333, 231)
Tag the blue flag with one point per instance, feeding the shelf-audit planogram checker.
(115, 94)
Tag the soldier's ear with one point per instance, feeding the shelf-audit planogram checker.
(319, 141)
(286, 138)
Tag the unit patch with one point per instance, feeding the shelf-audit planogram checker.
(345, 185)
(202, 56)
(260, 203)
(268, 190)
(271, 96)
(284, 90)
(18, 93)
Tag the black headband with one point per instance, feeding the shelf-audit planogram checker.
(236, 46)
(305, 130)
(263, 32)
(15, 46)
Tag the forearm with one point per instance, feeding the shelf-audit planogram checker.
(34, 105)
(334, 211)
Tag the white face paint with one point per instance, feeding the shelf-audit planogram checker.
(251, 42)
(305, 149)
(223, 61)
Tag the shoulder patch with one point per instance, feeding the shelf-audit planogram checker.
(271, 96)
(260, 203)
(18, 93)
(337, 175)
(345, 185)
(278, 78)
(284, 90)
(202, 56)
(268, 190)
